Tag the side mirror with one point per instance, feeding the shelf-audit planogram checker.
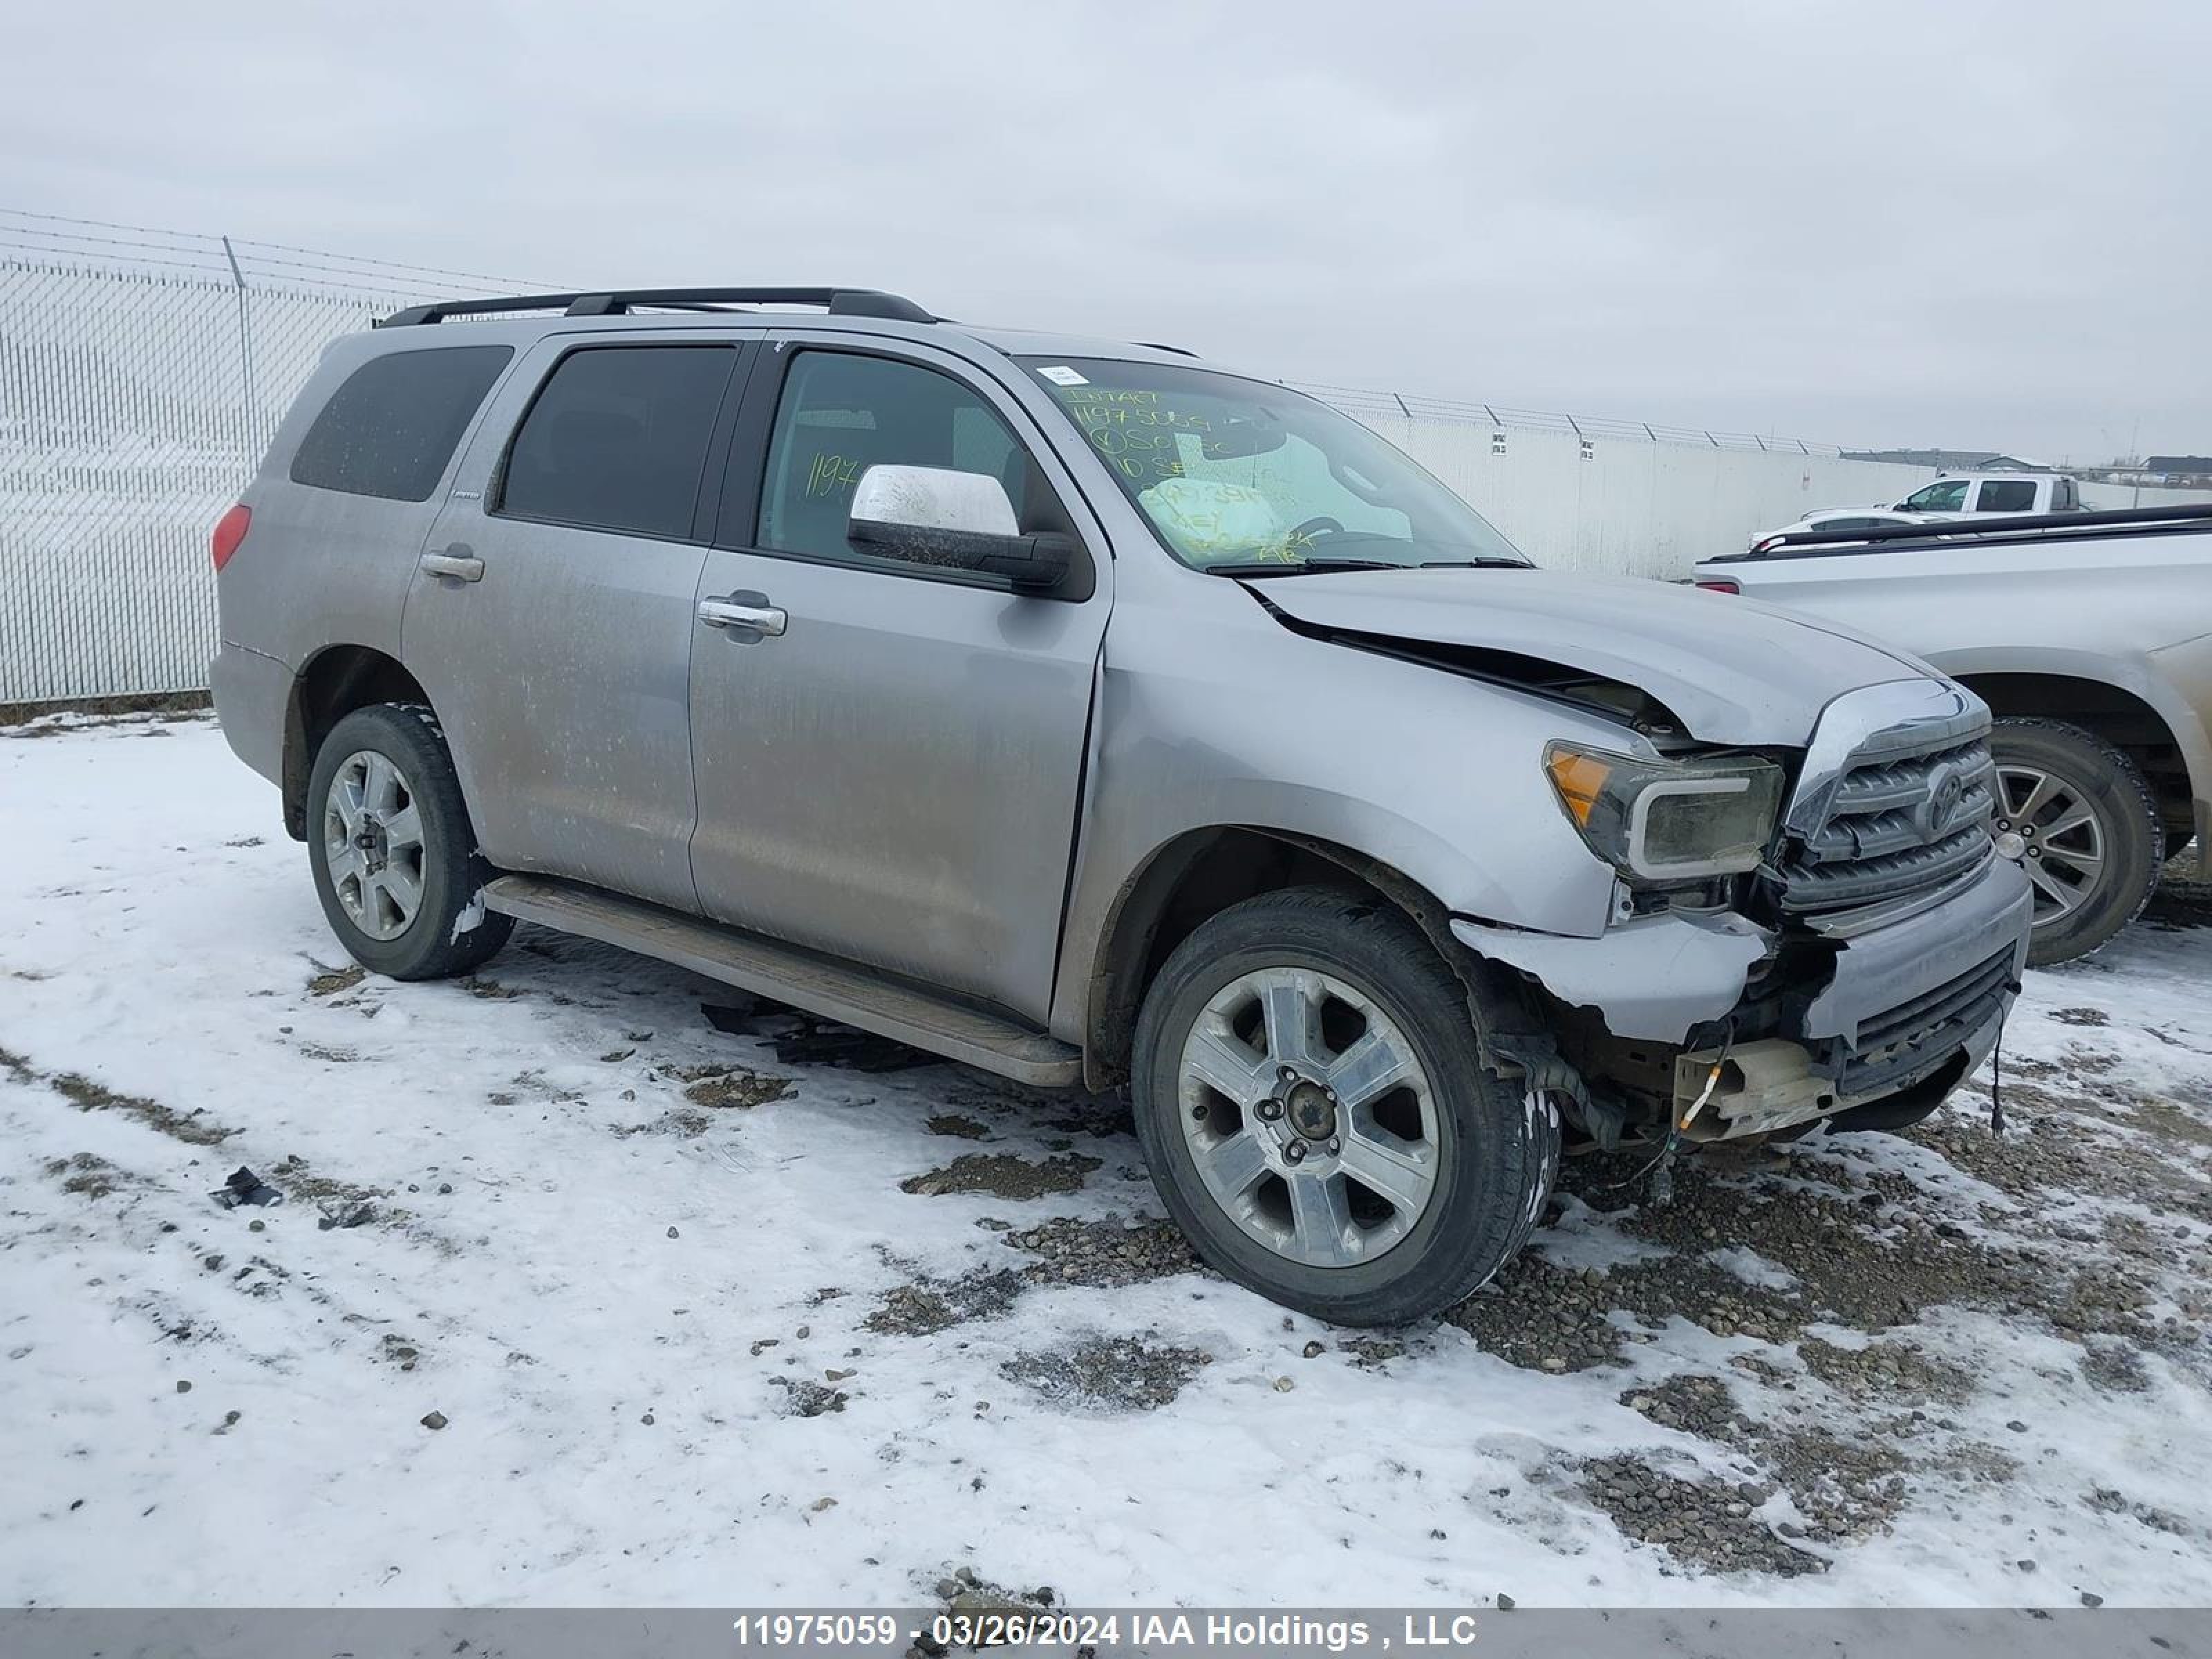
(958, 520)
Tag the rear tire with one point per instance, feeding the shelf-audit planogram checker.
(394, 855)
(1387, 1086)
(2096, 835)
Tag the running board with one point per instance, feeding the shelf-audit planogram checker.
(787, 974)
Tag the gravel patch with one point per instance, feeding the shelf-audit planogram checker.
(722, 1088)
(927, 1306)
(1002, 1174)
(1108, 1373)
(1109, 1253)
(1704, 1523)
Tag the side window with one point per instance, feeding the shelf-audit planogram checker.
(617, 438)
(2006, 495)
(841, 413)
(1948, 496)
(391, 427)
(1848, 523)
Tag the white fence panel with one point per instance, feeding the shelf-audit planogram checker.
(134, 406)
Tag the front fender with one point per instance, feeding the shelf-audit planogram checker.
(1219, 717)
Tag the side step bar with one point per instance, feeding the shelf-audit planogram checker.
(787, 974)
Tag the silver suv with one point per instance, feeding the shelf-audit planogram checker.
(1078, 711)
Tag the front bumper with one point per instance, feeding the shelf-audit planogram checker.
(1899, 1004)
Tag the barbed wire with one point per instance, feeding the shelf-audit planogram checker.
(218, 241)
(235, 261)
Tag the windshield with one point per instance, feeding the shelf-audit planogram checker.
(1237, 475)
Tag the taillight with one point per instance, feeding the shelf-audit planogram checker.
(229, 532)
(1720, 585)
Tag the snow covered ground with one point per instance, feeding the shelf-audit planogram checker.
(743, 1318)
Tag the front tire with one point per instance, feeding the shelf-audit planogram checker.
(2092, 833)
(394, 855)
(1313, 1103)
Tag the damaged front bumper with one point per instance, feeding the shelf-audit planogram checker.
(1744, 1031)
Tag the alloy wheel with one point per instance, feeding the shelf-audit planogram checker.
(2060, 837)
(1308, 1117)
(372, 844)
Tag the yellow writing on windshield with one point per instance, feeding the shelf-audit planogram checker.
(1134, 431)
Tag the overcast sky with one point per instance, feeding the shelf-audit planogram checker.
(1933, 223)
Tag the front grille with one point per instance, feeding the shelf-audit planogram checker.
(1897, 823)
(1896, 1047)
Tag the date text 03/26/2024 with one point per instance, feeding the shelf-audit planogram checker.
(1195, 1631)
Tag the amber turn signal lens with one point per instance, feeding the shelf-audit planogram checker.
(1579, 778)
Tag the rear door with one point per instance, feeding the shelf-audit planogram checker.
(551, 617)
(893, 777)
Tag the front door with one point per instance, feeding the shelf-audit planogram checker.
(552, 621)
(893, 777)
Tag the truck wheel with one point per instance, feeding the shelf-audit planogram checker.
(2089, 830)
(1317, 1117)
(395, 858)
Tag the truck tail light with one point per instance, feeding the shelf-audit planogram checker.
(229, 532)
(1720, 585)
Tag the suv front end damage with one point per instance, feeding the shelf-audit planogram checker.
(1859, 970)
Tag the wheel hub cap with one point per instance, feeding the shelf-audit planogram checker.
(1312, 1110)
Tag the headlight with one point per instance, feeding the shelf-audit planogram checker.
(1661, 821)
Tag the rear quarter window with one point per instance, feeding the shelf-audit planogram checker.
(391, 427)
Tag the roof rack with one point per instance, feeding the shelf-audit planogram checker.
(2024, 528)
(616, 302)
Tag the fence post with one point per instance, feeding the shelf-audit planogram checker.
(245, 349)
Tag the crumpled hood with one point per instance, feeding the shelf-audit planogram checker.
(1734, 671)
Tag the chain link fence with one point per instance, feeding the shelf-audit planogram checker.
(132, 407)
(143, 373)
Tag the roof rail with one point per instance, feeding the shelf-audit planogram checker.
(616, 302)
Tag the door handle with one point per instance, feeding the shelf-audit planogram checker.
(750, 613)
(456, 561)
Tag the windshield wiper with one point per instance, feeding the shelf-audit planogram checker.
(1298, 567)
(1322, 567)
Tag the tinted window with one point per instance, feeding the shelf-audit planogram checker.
(1848, 523)
(617, 439)
(2006, 495)
(391, 428)
(841, 415)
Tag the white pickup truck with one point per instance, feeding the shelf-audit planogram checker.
(1960, 493)
(1955, 495)
(2091, 640)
